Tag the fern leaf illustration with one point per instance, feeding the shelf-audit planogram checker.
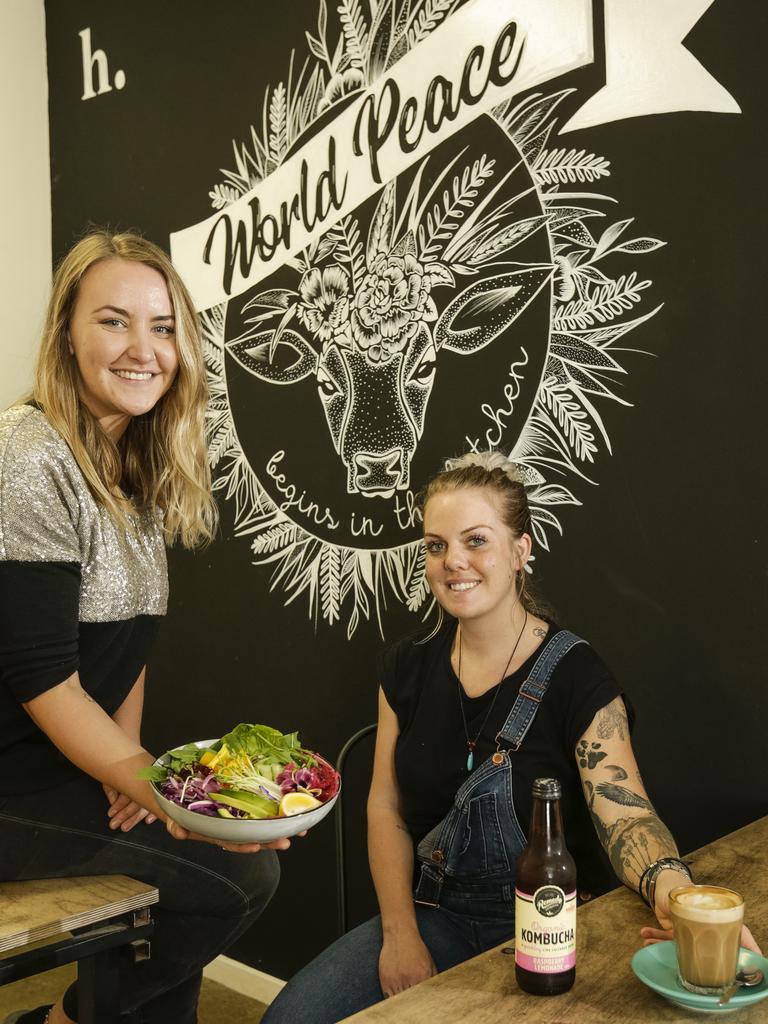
(603, 304)
(222, 195)
(442, 221)
(213, 355)
(572, 420)
(561, 166)
(278, 126)
(418, 588)
(605, 337)
(222, 440)
(330, 571)
(429, 16)
(273, 539)
(355, 31)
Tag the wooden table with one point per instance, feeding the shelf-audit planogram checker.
(483, 990)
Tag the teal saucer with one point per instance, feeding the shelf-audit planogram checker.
(656, 967)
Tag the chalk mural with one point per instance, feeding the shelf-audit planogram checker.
(407, 260)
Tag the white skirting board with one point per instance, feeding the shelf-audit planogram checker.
(243, 979)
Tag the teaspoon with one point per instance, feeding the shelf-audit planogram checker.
(744, 979)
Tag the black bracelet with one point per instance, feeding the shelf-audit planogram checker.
(649, 876)
(640, 890)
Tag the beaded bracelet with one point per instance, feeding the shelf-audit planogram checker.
(651, 873)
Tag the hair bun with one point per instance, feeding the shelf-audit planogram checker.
(491, 460)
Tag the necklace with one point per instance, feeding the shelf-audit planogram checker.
(471, 744)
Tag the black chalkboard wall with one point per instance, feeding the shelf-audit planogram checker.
(643, 441)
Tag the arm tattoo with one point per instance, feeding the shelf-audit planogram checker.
(611, 719)
(638, 839)
(589, 754)
(622, 795)
(634, 843)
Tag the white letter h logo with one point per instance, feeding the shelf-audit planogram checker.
(99, 58)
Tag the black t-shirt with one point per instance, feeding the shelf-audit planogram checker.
(431, 750)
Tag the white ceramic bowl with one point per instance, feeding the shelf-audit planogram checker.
(241, 830)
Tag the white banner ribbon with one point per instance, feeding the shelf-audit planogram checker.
(487, 52)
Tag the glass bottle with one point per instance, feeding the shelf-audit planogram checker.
(545, 900)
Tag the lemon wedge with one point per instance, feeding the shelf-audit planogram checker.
(297, 803)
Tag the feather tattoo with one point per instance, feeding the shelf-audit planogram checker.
(622, 795)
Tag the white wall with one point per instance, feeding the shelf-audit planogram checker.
(25, 191)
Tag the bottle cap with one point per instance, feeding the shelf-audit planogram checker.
(547, 789)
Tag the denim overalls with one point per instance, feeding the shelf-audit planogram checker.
(468, 859)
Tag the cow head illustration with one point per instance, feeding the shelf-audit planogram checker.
(370, 331)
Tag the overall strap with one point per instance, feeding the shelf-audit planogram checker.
(535, 686)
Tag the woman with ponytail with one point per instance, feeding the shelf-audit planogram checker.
(470, 714)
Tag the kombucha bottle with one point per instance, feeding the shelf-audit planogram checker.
(545, 900)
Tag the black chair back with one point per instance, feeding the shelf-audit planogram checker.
(356, 898)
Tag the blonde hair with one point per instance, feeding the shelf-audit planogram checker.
(506, 481)
(161, 459)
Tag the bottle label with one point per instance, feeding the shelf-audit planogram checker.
(545, 930)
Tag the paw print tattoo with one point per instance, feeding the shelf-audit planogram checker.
(589, 755)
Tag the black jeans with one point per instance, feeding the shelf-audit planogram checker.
(208, 897)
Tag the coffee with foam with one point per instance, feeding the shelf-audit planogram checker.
(705, 903)
(707, 921)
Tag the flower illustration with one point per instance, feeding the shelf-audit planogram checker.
(393, 298)
(324, 304)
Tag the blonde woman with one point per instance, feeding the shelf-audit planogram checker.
(102, 468)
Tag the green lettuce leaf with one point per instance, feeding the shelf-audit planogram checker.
(154, 773)
(262, 743)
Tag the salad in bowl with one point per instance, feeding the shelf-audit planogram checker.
(253, 785)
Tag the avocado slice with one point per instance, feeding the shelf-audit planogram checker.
(253, 804)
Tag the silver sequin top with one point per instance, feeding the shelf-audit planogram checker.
(48, 514)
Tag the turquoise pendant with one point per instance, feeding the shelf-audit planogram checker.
(471, 761)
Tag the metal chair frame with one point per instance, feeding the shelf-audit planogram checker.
(341, 873)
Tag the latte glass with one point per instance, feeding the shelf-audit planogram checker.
(707, 922)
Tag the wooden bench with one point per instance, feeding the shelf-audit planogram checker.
(114, 908)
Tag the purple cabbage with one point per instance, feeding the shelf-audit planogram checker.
(192, 790)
